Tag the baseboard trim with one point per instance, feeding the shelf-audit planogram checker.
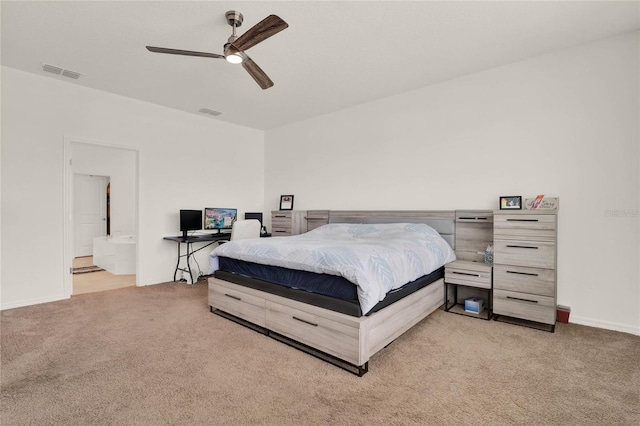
(31, 302)
(624, 328)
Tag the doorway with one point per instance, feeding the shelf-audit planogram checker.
(101, 207)
(89, 212)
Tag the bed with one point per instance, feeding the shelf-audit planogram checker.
(336, 292)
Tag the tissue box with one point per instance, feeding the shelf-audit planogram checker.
(475, 305)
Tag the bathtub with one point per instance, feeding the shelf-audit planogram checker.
(115, 254)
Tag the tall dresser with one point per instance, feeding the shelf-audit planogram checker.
(524, 266)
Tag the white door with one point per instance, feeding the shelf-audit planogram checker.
(90, 212)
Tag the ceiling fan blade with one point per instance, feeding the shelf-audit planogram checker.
(256, 72)
(183, 52)
(261, 31)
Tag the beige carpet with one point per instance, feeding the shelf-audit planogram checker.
(155, 355)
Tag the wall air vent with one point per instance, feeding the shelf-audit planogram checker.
(60, 71)
(209, 112)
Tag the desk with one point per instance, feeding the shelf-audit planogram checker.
(189, 241)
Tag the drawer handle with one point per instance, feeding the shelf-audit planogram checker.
(522, 300)
(316, 218)
(522, 220)
(524, 247)
(233, 297)
(522, 273)
(280, 231)
(305, 321)
(466, 273)
(473, 218)
(279, 216)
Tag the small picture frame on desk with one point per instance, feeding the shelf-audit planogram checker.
(286, 202)
(511, 202)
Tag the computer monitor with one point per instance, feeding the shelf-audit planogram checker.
(257, 216)
(190, 220)
(219, 218)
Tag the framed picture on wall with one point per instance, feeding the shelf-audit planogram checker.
(286, 202)
(511, 202)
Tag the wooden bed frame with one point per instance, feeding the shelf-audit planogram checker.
(346, 341)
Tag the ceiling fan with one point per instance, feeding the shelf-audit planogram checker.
(235, 47)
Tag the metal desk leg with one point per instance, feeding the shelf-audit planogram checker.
(189, 254)
(175, 273)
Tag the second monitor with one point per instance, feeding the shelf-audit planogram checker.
(219, 218)
(257, 216)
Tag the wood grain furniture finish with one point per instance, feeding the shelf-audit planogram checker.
(470, 274)
(474, 232)
(350, 339)
(288, 222)
(525, 265)
(316, 218)
(344, 340)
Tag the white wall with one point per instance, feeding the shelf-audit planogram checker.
(564, 124)
(176, 171)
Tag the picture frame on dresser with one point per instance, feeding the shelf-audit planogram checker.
(286, 202)
(511, 202)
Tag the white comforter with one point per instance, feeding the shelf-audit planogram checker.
(377, 258)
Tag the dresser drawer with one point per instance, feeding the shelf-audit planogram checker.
(281, 224)
(281, 232)
(470, 274)
(242, 305)
(281, 219)
(289, 222)
(525, 227)
(534, 254)
(525, 280)
(329, 336)
(526, 306)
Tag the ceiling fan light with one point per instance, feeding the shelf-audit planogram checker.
(234, 58)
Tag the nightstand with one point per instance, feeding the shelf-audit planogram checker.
(288, 222)
(476, 279)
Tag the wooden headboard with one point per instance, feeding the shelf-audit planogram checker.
(443, 221)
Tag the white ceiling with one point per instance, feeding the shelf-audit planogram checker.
(333, 55)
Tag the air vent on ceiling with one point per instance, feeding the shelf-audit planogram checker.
(61, 71)
(209, 112)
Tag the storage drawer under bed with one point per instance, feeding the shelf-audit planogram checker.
(332, 337)
(240, 304)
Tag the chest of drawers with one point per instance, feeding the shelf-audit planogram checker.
(524, 271)
(288, 222)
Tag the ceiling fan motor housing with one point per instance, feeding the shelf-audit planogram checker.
(234, 18)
